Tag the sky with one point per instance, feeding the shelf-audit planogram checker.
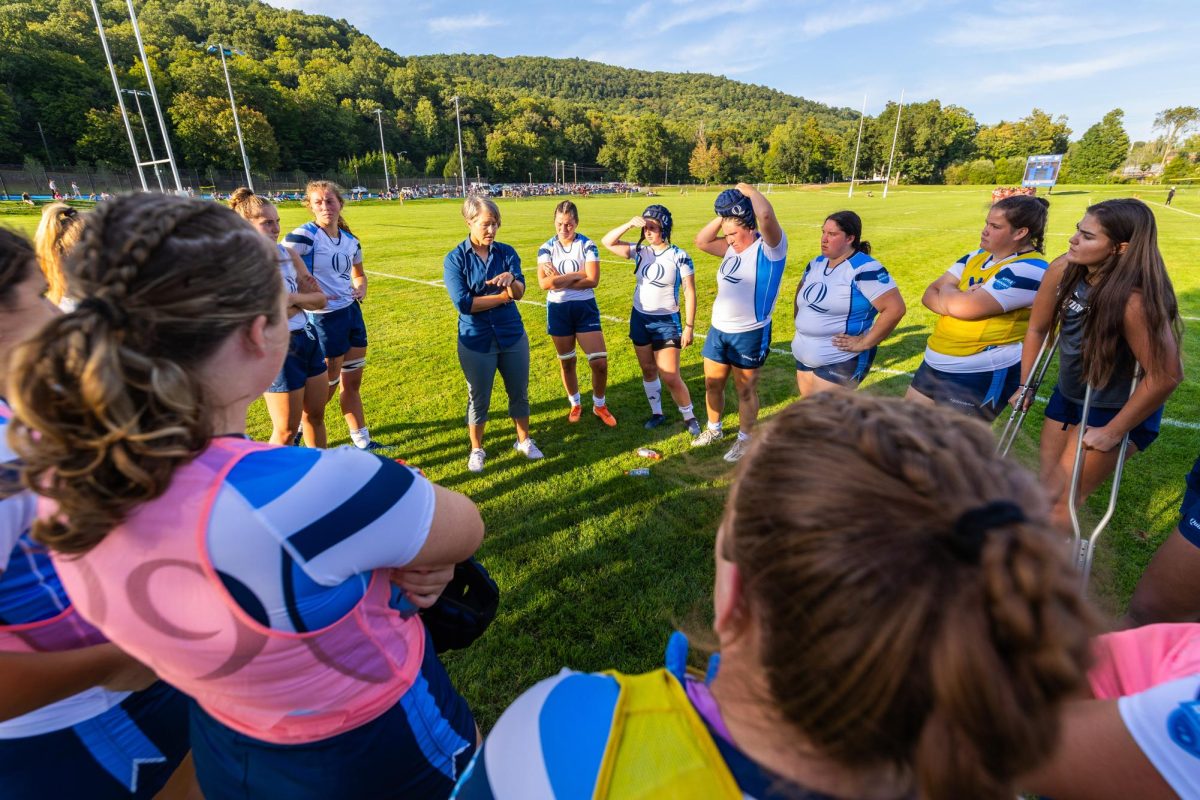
(999, 60)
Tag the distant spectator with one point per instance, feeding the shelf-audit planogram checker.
(27, 200)
(1170, 195)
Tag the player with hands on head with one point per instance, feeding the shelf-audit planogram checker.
(569, 271)
(660, 269)
(747, 237)
(846, 304)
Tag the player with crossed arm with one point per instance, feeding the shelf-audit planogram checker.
(753, 255)
(660, 268)
(333, 256)
(569, 271)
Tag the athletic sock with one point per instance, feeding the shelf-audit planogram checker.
(686, 411)
(598, 402)
(654, 395)
(714, 426)
(743, 436)
(361, 437)
(574, 399)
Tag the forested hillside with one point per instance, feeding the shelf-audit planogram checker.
(307, 87)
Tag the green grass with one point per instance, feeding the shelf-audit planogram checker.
(596, 566)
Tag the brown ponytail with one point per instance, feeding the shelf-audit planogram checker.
(247, 204)
(56, 234)
(108, 403)
(894, 634)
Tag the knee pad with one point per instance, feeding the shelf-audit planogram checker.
(597, 355)
(566, 356)
(351, 366)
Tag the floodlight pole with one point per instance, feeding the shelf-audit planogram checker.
(387, 186)
(137, 93)
(237, 125)
(888, 180)
(112, 70)
(854, 169)
(162, 124)
(462, 167)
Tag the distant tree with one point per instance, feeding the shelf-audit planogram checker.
(706, 162)
(1036, 134)
(981, 171)
(1174, 122)
(1102, 148)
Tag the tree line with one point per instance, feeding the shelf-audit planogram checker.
(307, 88)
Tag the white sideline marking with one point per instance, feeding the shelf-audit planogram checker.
(1174, 423)
(1171, 208)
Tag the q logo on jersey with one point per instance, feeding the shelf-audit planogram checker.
(341, 264)
(658, 271)
(729, 268)
(567, 266)
(814, 295)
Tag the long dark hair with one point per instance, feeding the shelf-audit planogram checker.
(1138, 267)
(851, 225)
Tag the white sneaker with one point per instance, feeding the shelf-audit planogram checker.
(529, 449)
(737, 451)
(475, 460)
(709, 436)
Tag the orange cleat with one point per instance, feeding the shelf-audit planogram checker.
(605, 415)
(576, 413)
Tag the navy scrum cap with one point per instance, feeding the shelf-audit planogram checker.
(662, 216)
(732, 203)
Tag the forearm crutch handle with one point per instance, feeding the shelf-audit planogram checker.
(1085, 549)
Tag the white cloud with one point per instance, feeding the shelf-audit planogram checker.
(815, 25)
(459, 24)
(1054, 71)
(1008, 31)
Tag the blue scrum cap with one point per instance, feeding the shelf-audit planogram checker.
(732, 203)
(661, 215)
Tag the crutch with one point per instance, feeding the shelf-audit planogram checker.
(1085, 549)
(1016, 417)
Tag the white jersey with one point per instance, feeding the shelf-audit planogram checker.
(659, 276)
(566, 260)
(836, 301)
(1165, 723)
(287, 269)
(329, 260)
(748, 286)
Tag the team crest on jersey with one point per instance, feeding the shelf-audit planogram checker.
(884, 277)
(659, 273)
(1002, 282)
(340, 263)
(814, 295)
(729, 268)
(1184, 726)
(567, 266)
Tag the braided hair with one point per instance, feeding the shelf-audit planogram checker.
(911, 616)
(110, 403)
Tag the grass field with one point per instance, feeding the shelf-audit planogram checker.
(596, 566)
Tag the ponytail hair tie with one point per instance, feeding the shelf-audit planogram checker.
(104, 309)
(972, 526)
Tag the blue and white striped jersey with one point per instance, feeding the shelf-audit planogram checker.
(294, 533)
(329, 260)
(748, 286)
(659, 276)
(836, 301)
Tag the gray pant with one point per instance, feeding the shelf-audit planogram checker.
(480, 369)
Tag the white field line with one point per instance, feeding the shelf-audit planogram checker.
(1175, 423)
(1171, 208)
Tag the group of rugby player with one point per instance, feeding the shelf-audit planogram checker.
(893, 610)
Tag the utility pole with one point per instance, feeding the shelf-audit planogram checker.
(237, 125)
